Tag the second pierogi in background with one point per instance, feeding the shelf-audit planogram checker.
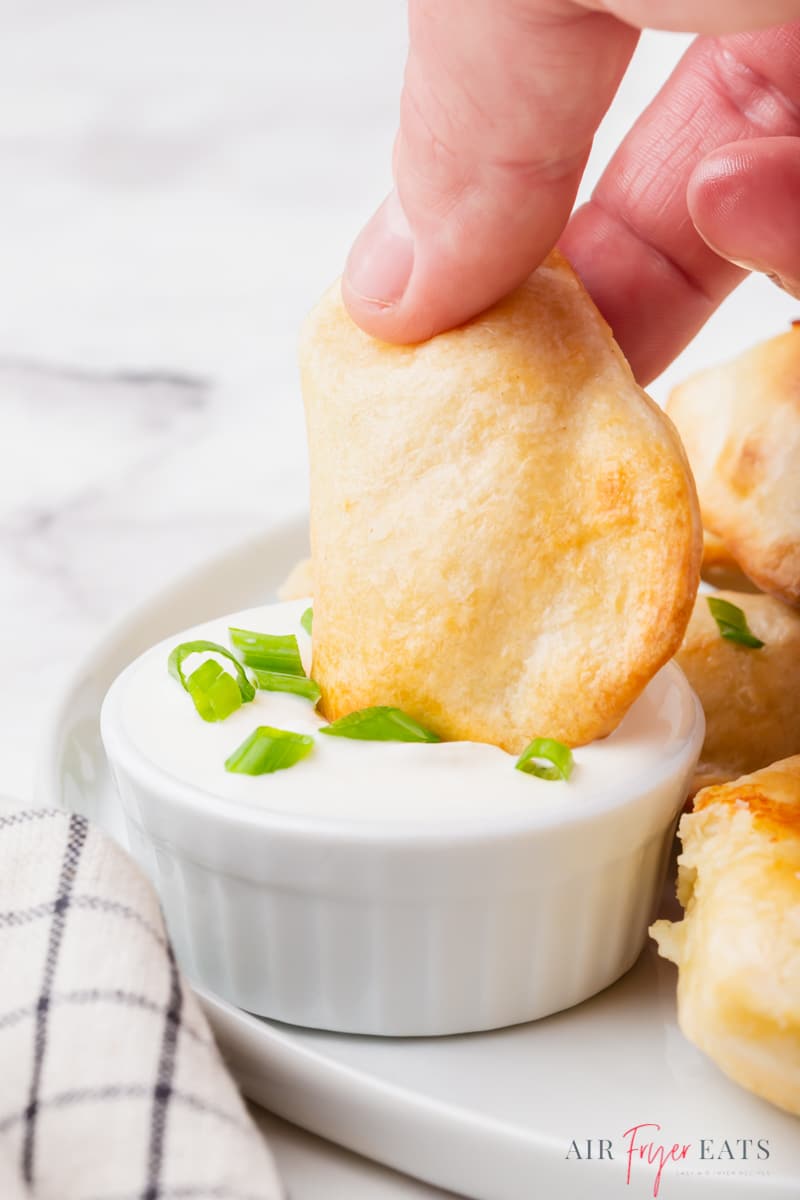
(740, 423)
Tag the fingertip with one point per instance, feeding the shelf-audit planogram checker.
(715, 186)
(379, 266)
(389, 289)
(405, 287)
(742, 199)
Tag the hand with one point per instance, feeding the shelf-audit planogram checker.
(500, 103)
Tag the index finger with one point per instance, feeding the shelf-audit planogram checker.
(634, 244)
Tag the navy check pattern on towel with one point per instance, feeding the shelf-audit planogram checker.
(111, 1086)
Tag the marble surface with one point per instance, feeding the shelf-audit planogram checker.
(179, 180)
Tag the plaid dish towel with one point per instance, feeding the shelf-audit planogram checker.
(111, 1086)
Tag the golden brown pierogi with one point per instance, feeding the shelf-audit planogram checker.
(740, 423)
(504, 528)
(720, 568)
(738, 946)
(750, 697)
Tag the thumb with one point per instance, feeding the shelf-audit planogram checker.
(500, 103)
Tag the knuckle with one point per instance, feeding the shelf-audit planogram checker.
(757, 98)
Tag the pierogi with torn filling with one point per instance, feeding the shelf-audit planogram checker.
(738, 946)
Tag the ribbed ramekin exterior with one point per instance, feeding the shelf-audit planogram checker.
(401, 960)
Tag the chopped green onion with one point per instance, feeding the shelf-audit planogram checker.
(380, 724)
(267, 750)
(274, 681)
(732, 623)
(551, 751)
(268, 651)
(275, 662)
(307, 619)
(212, 697)
(214, 692)
(205, 675)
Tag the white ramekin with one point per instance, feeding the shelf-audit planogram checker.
(413, 930)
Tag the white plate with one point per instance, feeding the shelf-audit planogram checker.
(495, 1116)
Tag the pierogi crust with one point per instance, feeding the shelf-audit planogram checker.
(750, 697)
(720, 568)
(738, 946)
(740, 423)
(504, 528)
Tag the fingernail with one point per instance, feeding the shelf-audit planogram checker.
(379, 265)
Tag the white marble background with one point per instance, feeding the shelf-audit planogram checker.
(178, 180)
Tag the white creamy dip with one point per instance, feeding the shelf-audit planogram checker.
(386, 781)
